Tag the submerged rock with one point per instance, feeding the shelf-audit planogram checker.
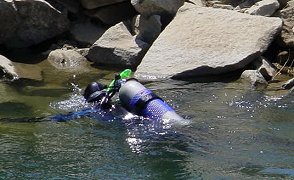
(66, 59)
(207, 41)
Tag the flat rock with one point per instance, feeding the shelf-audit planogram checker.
(206, 41)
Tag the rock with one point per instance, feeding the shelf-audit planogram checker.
(207, 41)
(8, 20)
(147, 28)
(113, 14)
(86, 33)
(264, 8)
(7, 70)
(265, 68)
(118, 47)
(286, 58)
(83, 51)
(66, 59)
(158, 7)
(92, 4)
(223, 6)
(255, 78)
(289, 84)
(287, 15)
(39, 22)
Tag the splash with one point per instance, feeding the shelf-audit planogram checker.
(75, 102)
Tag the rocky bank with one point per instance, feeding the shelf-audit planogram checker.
(157, 38)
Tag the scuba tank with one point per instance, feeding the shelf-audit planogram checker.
(139, 100)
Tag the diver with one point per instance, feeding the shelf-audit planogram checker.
(133, 96)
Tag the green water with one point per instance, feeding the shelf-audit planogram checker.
(233, 133)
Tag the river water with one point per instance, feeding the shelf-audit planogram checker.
(230, 132)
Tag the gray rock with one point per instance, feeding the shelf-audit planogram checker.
(39, 22)
(66, 59)
(265, 68)
(264, 8)
(289, 84)
(207, 41)
(87, 33)
(7, 70)
(92, 4)
(8, 20)
(118, 47)
(287, 15)
(147, 29)
(255, 78)
(152, 7)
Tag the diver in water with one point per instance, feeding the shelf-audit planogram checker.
(133, 96)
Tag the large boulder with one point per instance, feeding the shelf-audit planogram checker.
(118, 47)
(92, 4)
(39, 21)
(287, 14)
(8, 20)
(7, 69)
(207, 41)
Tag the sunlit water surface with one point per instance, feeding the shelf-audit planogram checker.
(231, 132)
